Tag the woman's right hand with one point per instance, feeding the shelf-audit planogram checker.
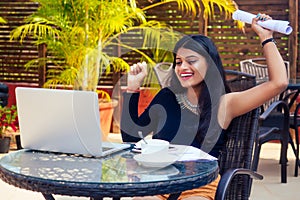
(136, 76)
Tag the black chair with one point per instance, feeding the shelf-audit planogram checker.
(236, 159)
(239, 81)
(274, 125)
(295, 124)
(3, 94)
(274, 118)
(236, 156)
(290, 97)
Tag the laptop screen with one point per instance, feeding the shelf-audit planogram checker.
(59, 120)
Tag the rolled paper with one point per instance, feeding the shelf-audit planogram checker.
(274, 25)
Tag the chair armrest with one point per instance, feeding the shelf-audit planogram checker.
(289, 95)
(227, 178)
(274, 106)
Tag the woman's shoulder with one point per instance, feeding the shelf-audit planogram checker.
(165, 95)
(166, 92)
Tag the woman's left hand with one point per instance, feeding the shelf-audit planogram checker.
(263, 33)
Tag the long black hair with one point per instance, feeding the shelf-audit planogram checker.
(212, 87)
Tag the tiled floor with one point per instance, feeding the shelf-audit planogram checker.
(269, 188)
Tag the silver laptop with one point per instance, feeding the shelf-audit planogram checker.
(65, 121)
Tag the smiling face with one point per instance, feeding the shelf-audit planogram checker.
(190, 68)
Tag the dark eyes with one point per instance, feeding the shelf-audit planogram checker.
(178, 63)
(190, 62)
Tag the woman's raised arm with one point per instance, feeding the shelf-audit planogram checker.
(238, 103)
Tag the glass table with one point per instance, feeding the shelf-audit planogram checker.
(116, 176)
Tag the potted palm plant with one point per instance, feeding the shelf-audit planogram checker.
(80, 33)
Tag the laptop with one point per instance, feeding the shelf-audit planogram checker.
(65, 121)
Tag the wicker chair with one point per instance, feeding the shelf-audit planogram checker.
(274, 118)
(236, 157)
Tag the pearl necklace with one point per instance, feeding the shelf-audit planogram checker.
(186, 104)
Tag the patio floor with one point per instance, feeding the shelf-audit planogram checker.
(269, 188)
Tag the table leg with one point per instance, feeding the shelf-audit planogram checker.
(48, 196)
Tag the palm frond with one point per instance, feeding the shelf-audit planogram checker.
(66, 77)
(118, 65)
(38, 28)
(103, 95)
(2, 20)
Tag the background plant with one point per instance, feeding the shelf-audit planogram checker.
(79, 32)
(8, 119)
(2, 20)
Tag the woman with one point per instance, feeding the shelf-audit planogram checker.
(198, 107)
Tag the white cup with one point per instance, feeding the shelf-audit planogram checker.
(156, 146)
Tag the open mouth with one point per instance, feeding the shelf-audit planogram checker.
(186, 75)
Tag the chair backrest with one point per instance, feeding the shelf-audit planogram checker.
(238, 81)
(238, 150)
(258, 67)
(163, 72)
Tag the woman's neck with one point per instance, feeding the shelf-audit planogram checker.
(193, 94)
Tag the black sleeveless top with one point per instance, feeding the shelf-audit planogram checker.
(167, 120)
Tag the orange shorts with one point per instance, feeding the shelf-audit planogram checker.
(208, 191)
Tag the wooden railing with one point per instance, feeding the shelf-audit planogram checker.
(233, 43)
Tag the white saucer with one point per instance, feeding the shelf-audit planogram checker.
(154, 160)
